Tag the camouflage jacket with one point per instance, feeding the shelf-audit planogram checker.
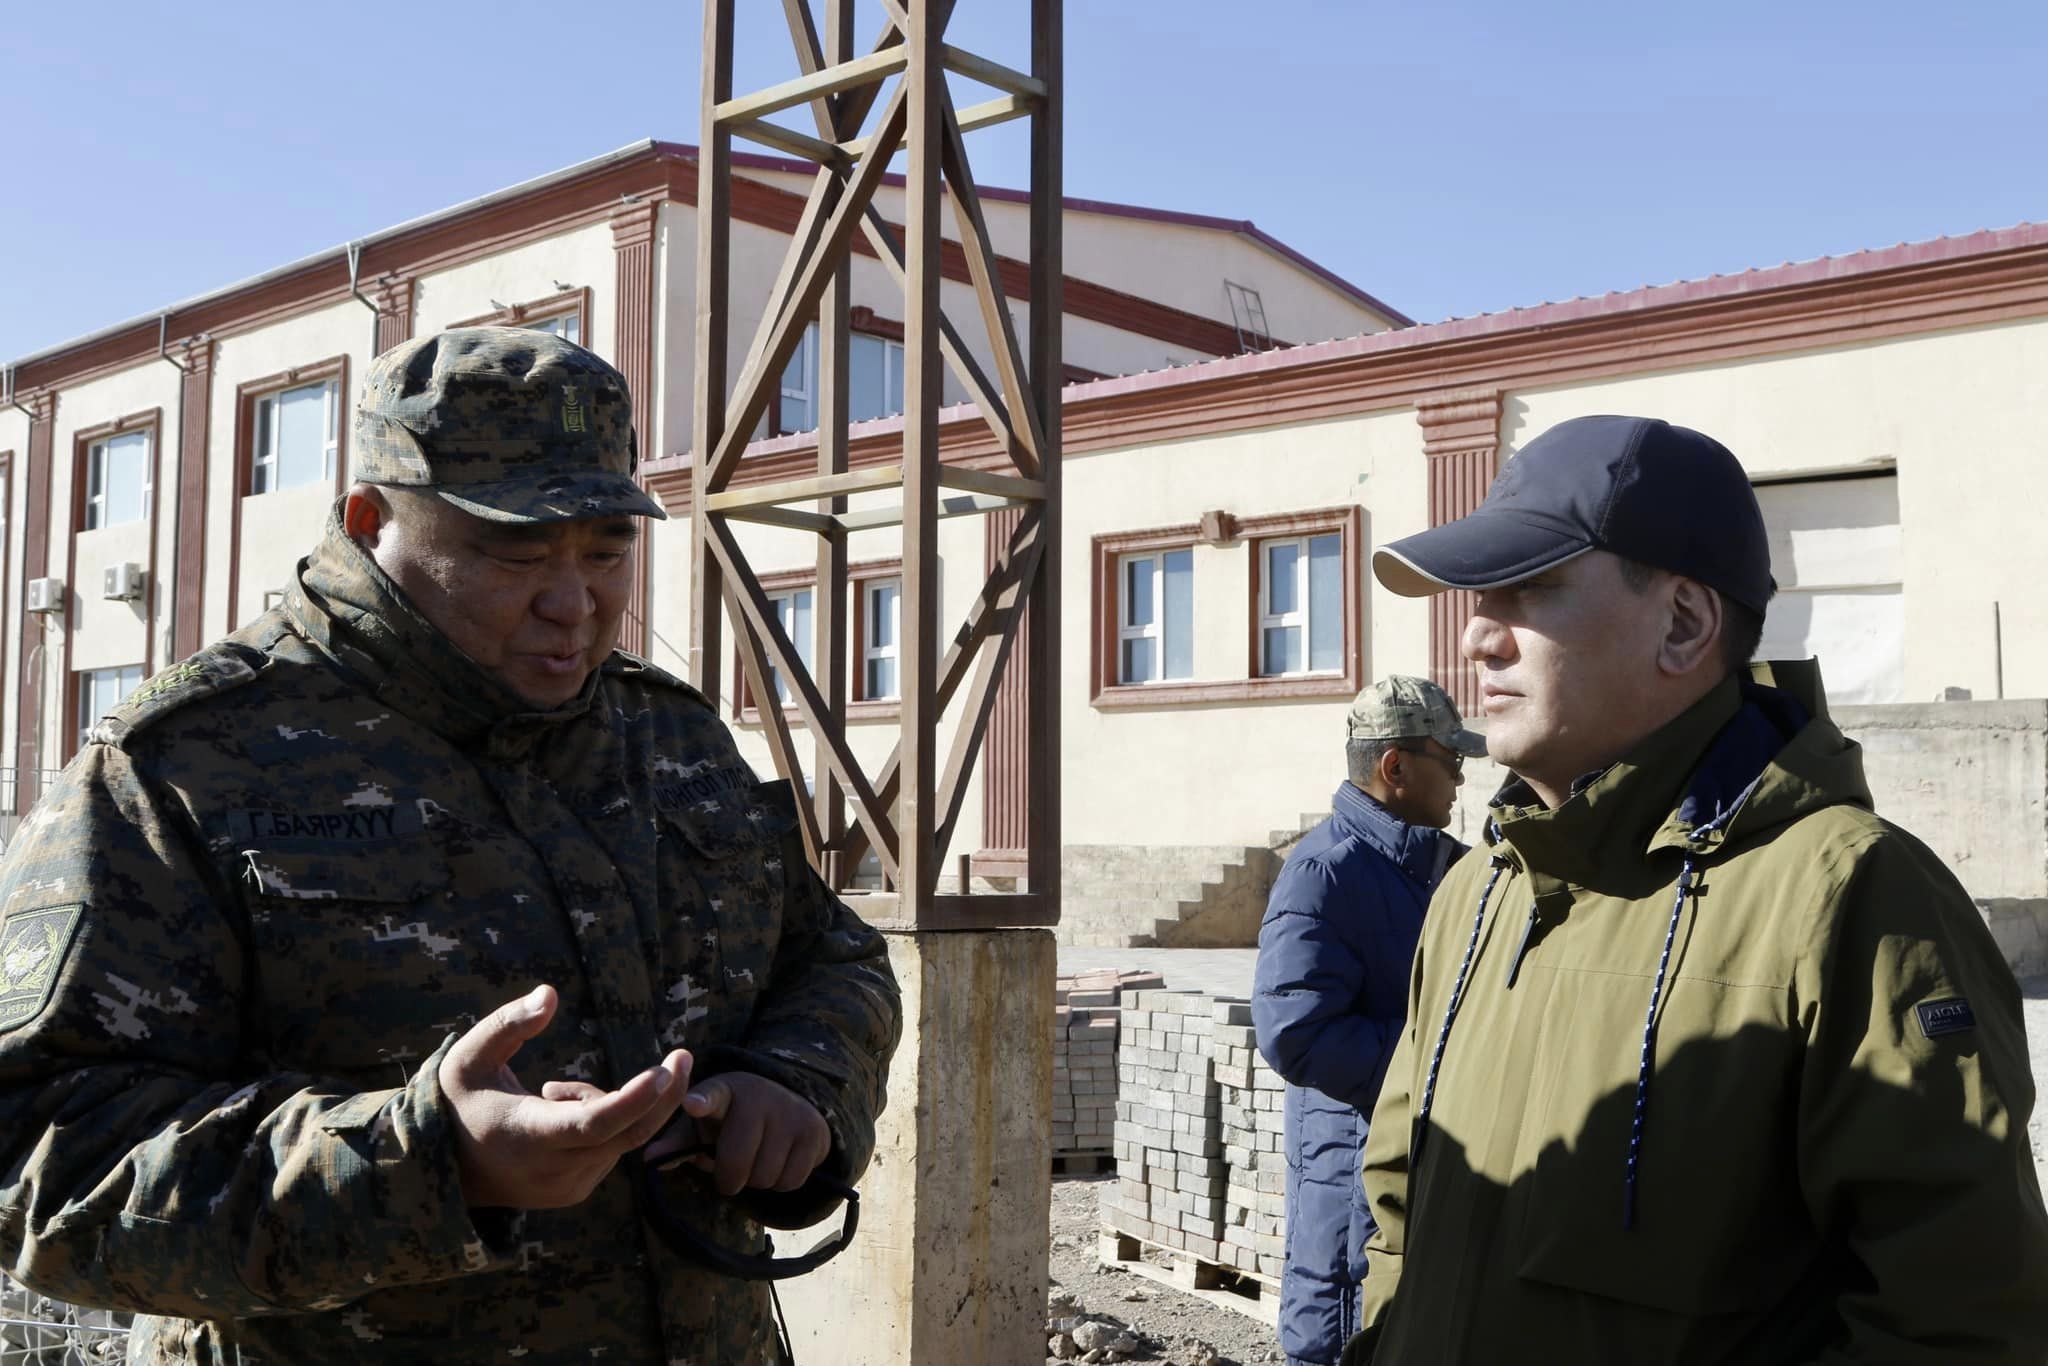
(244, 925)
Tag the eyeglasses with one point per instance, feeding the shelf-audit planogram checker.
(1454, 762)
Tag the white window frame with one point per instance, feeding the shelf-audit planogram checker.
(1155, 630)
(263, 464)
(892, 369)
(569, 320)
(1301, 616)
(805, 363)
(128, 677)
(783, 695)
(96, 478)
(869, 651)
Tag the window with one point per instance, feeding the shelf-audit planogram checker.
(117, 480)
(298, 437)
(1301, 606)
(882, 601)
(567, 326)
(1838, 558)
(793, 613)
(874, 381)
(1156, 617)
(102, 690)
(1283, 610)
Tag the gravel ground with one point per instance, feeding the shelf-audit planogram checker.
(1171, 1326)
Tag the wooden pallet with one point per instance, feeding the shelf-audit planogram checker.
(1226, 1286)
(1082, 1164)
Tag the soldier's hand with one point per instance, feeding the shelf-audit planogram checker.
(525, 1151)
(760, 1134)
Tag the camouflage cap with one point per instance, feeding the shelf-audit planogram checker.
(1402, 708)
(507, 423)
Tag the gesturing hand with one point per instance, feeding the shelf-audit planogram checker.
(525, 1151)
(760, 1134)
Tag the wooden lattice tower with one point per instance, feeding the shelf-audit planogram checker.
(865, 110)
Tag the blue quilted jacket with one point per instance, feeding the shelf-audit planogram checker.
(1329, 1004)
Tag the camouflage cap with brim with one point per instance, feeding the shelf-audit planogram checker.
(506, 423)
(1403, 708)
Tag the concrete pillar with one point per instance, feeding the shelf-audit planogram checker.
(950, 1263)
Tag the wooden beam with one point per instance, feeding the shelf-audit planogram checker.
(817, 523)
(758, 613)
(831, 80)
(803, 490)
(829, 605)
(949, 911)
(979, 248)
(775, 726)
(1018, 564)
(714, 261)
(1005, 486)
(917, 654)
(992, 73)
(959, 505)
(964, 365)
(1042, 671)
(750, 398)
(811, 59)
(1000, 110)
(796, 144)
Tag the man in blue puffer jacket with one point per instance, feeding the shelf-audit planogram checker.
(1331, 992)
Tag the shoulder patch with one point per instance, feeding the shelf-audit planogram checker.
(33, 946)
(622, 665)
(212, 671)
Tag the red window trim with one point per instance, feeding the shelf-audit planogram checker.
(747, 712)
(1347, 523)
(576, 301)
(246, 393)
(1106, 694)
(150, 420)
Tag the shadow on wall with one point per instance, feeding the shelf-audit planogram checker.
(1723, 1264)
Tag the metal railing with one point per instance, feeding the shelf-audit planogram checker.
(36, 1330)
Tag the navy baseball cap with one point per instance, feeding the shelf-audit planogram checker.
(1646, 490)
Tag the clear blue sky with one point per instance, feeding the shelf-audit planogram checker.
(1452, 158)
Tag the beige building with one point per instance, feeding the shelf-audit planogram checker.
(1227, 472)
(159, 479)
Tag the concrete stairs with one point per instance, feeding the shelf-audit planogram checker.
(1164, 896)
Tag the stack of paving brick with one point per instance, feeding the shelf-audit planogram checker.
(1084, 1041)
(1250, 1098)
(1169, 1149)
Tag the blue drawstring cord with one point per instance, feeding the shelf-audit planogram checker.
(1436, 1060)
(1686, 884)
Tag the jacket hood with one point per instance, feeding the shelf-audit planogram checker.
(342, 601)
(1751, 755)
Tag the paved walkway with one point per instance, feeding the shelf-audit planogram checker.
(1228, 972)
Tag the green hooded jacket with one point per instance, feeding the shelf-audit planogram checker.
(277, 883)
(1708, 1065)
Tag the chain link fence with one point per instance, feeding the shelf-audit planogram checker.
(36, 1330)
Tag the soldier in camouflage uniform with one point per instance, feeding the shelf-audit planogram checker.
(348, 966)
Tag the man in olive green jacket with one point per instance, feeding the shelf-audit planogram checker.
(1705, 1063)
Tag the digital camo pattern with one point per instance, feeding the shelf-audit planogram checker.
(509, 423)
(1400, 708)
(300, 870)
